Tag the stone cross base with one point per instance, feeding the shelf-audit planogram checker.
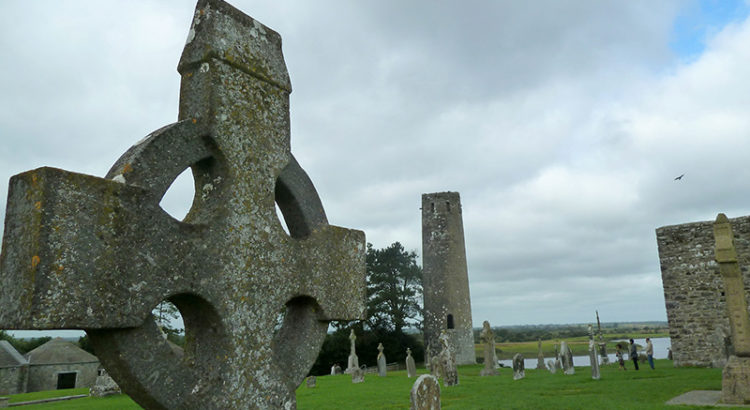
(735, 381)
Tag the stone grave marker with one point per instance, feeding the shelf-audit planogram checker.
(358, 375)
(353, 359)
(411, 367)
(487, 338)
(567, 359)
(540, 356)
(735, 382)
(382, 366)
(425, 393)
(104, 386)
(519, 368)
(447, 360)
(595, 374)
(82, 252)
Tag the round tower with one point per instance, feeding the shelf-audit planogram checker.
(447, 305)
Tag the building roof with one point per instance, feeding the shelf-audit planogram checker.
(58, 351)
(9, 356)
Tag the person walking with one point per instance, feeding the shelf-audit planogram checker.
(620, 360)
(650, 353)
(634, 353)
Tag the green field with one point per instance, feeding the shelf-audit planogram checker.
(645, 389)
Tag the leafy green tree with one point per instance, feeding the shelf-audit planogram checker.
(394, 288)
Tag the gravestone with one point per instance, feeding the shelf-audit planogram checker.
(411, 367)
(4, 401)
(551, 366)
(519, 371)
(594, 360)
(567, 359)
(353, 359)
(540, 356)
(104, 386)
(382, 367)
(358, 375)
(487, 337)
(447, 362)
(425, 393)
(99, 253)
(311, 381)
(735, 381)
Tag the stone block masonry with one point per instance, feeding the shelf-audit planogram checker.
(694, 291)
(447, 303)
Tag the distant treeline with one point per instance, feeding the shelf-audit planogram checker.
(527, 333)
(24, 345)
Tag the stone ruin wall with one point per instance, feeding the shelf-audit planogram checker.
(445, 275)
(13, 379)
(694, 290)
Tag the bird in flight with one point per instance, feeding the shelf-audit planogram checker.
(679, 177)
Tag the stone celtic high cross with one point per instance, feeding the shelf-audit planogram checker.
(99, 253)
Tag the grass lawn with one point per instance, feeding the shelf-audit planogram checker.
(645, 389)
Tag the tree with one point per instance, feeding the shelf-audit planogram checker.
(164, 314)
(394, 288)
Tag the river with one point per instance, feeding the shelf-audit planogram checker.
(661, 345)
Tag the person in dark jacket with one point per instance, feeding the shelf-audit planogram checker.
(634, 353)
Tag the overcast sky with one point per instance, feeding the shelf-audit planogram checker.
(561, 124)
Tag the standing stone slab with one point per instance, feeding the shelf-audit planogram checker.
(519, 368)
(487, 338)
(540, 356)
(382, 366)
(736, 374)
(358, 375)
(99, 253)
(425, 393)
(353, 359)
(594, 360)
(567, 359)
(411, 367)
(551, 366)
(447, 362)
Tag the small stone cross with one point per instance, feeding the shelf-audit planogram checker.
(99, 253)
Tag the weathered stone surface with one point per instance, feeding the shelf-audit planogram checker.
(487, 338)
(335, 369)
(104, 386)
(551, 366)
(382, 365)
(353, 363)
(566, 356)
(447, 304)
(726, 256)
(447, 362)
(735, 381)
(99, 253)
(694, 293)
(595, 374)
(735, 384)
(411, 367)
(311, 381)
(519, 371)
(425, 393)
(358, 375)
(4, 401)
(540, 356)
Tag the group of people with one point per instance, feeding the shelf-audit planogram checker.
(634, 354)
